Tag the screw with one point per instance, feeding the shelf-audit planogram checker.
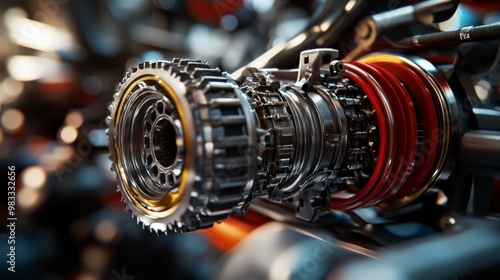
(337, 67)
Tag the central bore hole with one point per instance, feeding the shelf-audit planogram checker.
(164, 142)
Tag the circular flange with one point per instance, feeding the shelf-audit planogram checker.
(183, 145)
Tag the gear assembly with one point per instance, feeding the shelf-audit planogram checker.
(191, 145)
(395, 131)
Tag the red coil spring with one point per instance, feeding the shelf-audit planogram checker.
(407, 120)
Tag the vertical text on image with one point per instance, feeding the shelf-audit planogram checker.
(11, 217)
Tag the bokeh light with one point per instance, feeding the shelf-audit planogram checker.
(74, 119)
(95, 258)
(25, 68)
(106, 231)
(68, 134)
(12, 119)
(10, 90)
(34, 177)
(28, 198)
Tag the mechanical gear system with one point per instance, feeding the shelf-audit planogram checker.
(191, 145)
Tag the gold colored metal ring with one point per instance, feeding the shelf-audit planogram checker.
(162, 207)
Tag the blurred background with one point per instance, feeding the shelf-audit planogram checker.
(59, 63)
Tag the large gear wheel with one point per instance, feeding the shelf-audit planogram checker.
(164, 118)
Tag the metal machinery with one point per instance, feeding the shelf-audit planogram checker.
(360, 146)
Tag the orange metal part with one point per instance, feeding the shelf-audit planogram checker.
(226, 235)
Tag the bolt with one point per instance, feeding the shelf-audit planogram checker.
(337, 67)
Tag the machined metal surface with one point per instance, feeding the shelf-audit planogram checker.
(192, 146)
(165, 117)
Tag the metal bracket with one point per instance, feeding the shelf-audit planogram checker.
(312, 61)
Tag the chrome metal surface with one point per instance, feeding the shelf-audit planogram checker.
(165, 117)
(191, 146)
(163, 144)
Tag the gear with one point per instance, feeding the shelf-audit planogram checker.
(362, 149)
(274, 119)
(179, 111)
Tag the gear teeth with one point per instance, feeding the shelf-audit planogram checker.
(202, 82)
(177, 225)
(191, 66)
(177, 230)
(186, 61)
(145, 223)
(276, 133)
(159, 227)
